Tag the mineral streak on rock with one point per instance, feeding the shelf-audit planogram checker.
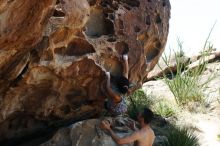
(54, 54)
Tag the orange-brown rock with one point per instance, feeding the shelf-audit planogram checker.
(54, 54)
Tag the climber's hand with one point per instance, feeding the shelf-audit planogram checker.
(105, 125)
(107, 74)
(125, 57)
(132, 125)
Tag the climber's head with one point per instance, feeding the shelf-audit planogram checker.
(122, 84)
(145, 116)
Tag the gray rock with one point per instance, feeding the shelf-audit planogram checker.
(161, 141)
(88, 133)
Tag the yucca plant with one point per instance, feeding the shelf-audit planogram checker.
(185, 82)
(185, 87)
(181, 137)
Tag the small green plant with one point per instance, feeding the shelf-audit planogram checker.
(164, 109)
(185, 81)
(137, 101)
(185, 86)
(181, 137)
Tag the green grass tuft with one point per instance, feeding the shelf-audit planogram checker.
(164, 109)
(185, 82)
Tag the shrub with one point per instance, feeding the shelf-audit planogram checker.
(137, 101)
(186, 86)
(164, 109)
(181, 137)
(185, 82)
(185, 89)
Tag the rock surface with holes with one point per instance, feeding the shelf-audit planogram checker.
(54, 54)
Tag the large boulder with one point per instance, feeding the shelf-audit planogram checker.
(89, 133)
(54, 54)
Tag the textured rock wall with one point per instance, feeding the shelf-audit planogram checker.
(54, 54)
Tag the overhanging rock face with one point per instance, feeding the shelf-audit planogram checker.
(54, 54)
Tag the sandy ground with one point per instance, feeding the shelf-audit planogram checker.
(209, 128)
